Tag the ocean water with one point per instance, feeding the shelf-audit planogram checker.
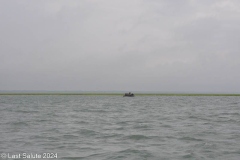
(119, 128)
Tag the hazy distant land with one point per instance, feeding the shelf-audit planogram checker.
(114, 93)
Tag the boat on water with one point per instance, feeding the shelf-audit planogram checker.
(128, 94)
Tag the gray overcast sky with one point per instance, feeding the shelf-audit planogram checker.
(121, 45)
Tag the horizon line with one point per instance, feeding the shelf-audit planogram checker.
(143, 93)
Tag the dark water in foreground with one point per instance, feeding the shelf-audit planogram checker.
(117, 128)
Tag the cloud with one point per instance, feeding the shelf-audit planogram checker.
(164, 46)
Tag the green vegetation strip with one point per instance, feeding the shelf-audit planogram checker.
(121, 94)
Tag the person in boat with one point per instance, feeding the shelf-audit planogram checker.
(129, 94)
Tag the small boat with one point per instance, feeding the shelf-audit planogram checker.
(128, 94)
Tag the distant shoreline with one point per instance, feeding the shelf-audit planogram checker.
(121, 94)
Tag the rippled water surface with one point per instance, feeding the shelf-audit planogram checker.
(116, 128)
